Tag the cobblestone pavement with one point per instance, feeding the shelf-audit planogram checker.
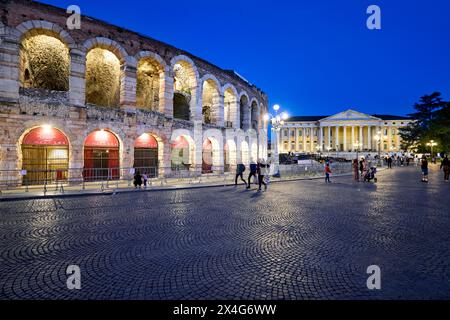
(299, 240)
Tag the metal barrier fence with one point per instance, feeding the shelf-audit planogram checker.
(61, 181)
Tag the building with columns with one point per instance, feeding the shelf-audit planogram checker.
(100, 101)
(347, 131)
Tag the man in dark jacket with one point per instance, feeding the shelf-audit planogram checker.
(239, 173)
(253, 171)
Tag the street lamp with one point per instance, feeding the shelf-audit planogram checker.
(378, 139)
(432, 144)
(357, 145)
(277, 121)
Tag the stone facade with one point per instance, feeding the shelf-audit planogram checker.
(347, 131)
(25, 106)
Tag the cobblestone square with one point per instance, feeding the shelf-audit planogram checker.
(298, 240)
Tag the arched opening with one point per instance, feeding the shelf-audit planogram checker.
(101, 156)
(254, 152)
(245, 153)
(243, 111)
(146, 155)
(102, 78)
(181, 155)
(44, 61)
(254, 116)
(45, 156)
(148, 84)
(207, 157)
(184, 83)
(210, 102)
(230, 108)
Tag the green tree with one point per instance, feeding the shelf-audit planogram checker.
(431, 123)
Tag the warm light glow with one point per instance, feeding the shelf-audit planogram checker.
(276, 107)
(266, 117)
(284, 116)
(47, 128)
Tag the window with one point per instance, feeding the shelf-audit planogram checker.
(286, 132)
(300, 133)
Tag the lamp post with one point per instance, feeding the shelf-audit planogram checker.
(357, 145)
(432, 144)
(277, 122)
(378, 140)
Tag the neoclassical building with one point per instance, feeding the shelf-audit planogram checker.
(346, 131)
(102, 99)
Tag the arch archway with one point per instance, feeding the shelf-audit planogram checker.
(146, 155)
(230, 156)
(40, 49)
(244, 112)
(102, 77)
(230, 107)
(210, 101)
(101, 156)
(184, 88)
(207, 156)
(150, 83)
(45, 156)
(254, 113)
(245, 156)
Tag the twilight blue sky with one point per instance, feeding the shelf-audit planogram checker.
(311, 57)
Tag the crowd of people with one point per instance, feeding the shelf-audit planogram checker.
(362, 170)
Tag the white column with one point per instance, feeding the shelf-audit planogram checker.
(361, 141)
(345, 138)
(337, 138)
(352, 147)
(329, 137)
(296, 139)
(320, 138)
(304, 139)
(311, 139)
(369, 137)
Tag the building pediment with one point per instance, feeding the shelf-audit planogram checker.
(350, 115)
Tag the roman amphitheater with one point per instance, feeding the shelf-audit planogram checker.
(103, 101)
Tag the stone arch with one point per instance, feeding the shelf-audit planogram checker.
(216, 138)
(231, 109)
(150, 77)
(211, 100)
(104, 60)
(103, 160)
(254, 114)
(244, 110)
(185, 88)
(35, 25)
(107, 44)
(40, 48)
(183, 160)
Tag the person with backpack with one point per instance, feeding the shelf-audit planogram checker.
(253, 172)
(240, 169)
(137, 180)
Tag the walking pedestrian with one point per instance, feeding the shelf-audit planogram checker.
(261, 174)
(355, 170)
(240, 169)
(389, 162)
(424, 167)
(253, 173)
(361, 167)
(137, 180)
(327, 173)
(445, 166)
(145, 179)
